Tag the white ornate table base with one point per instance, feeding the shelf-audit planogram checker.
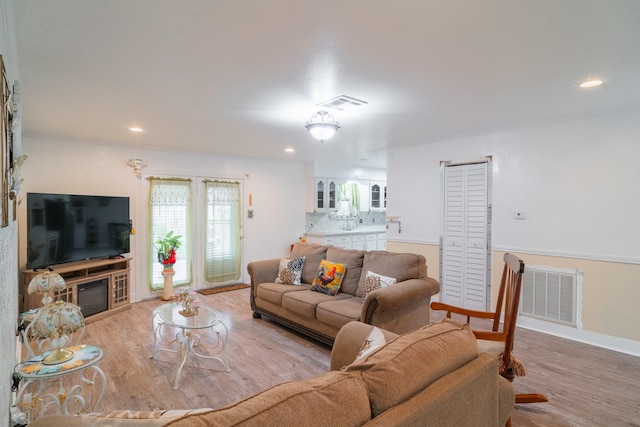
(69, 388)
(186, 340)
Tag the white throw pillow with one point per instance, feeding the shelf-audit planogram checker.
(374, 341)
(375, 281)
(290, 271)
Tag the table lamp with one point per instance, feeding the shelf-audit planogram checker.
(46, 283)
(57, 322)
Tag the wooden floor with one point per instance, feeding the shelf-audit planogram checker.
(586, 386)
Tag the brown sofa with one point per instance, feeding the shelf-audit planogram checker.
(399, 308)
(433, 376)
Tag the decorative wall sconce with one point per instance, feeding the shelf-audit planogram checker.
(137, 165)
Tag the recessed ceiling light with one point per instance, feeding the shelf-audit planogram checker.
(136, 129)
(289, 150)
(587, 84)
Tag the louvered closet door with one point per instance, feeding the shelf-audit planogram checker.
(465, 234)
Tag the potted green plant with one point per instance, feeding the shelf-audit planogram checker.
(166, 248)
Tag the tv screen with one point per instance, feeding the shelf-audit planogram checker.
(67, 227)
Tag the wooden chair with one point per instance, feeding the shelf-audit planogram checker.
(500, 341)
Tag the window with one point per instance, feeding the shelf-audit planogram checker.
(223, 252)
(170, 210)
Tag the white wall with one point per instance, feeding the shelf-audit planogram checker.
(8, 239)
(579, 185)
(577, 182)
(334, 170)
(277, 190)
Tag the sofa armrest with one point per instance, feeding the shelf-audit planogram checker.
(401, 307)
(349, 341)
(265, 271)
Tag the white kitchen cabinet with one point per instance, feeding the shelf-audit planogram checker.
(357, 242)
(370, 242)
(324, 195)
(377, 195)
(364, 241)
(341, 241)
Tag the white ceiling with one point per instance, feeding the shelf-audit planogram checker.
(241, 77)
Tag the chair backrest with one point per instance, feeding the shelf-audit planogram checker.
(509, 300)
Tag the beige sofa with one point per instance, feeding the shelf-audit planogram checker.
(433, 376)
(399, 308)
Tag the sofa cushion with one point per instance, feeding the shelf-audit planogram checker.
(305, 303)
(273, 292)
(354, 259)
(375, 281)
(290, 271)
(313, 255)
(329, 277)
(336, 398)
(339, 312)
(412, 361)
(401, 266)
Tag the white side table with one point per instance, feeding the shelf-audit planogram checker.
(54, 389)
(185, 339)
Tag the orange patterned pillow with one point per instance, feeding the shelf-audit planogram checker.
(329, 277)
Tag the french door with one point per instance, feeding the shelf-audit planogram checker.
(465, 274)
(206, 214)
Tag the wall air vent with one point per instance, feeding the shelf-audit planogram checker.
(342, 102)
(552, 294)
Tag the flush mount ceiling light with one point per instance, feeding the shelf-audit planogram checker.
(322, 126)
(587, 84)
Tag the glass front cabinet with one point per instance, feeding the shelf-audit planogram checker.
(326, 191)
(378, 195)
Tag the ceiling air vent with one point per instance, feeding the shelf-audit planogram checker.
(342, 102)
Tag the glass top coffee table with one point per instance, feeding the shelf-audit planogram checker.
(176, 333)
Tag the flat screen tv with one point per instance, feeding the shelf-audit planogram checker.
(69, 227)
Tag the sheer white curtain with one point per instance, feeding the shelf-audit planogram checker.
(223, 251)
(170, 210)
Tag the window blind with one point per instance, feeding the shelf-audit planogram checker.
(170, 210)
(222, 231)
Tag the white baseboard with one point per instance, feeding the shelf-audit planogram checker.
(620, 345)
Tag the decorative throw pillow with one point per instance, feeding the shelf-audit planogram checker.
(290, 271)
(375, 281)
(329, 277)
(372, 342)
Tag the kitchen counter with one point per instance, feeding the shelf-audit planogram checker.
(357, 230)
